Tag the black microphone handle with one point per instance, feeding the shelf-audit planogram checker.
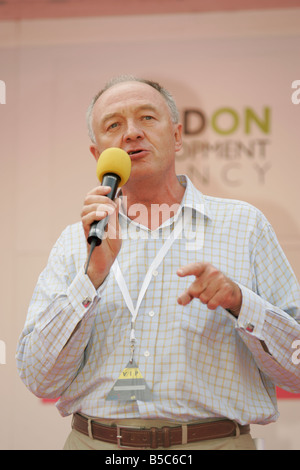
(98, 227)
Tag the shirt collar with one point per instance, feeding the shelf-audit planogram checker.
(192, 199)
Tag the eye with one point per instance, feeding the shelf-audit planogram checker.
(147, 118)
(112, 126)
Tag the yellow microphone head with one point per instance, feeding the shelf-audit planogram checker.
(116, 161)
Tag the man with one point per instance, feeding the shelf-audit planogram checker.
(175, 336)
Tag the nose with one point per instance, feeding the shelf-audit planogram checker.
(132, 132)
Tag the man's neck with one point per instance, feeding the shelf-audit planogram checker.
(151, 205)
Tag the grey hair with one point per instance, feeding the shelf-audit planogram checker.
(130, 78)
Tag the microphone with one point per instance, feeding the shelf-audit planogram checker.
(113, 169)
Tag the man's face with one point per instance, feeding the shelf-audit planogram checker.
(135, 117)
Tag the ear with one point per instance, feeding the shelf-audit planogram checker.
(178, 137)
(95, 152)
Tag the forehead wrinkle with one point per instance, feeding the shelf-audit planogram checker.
(136, 109)
(131, 94)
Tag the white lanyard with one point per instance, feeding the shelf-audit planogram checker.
(178, 228)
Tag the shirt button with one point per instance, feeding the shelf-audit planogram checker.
(155, 273)
(151, 313)
(86, 302)
(146, 354)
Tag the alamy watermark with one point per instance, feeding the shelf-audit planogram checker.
(2, 352)
(2, 92)
(296, 354)
(189, 223)
(296, 94)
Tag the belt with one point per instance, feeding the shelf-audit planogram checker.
(143, 438)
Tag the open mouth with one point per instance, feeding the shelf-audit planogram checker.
(134, 152)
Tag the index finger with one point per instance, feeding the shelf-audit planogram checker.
(100, 190)
(195, 269)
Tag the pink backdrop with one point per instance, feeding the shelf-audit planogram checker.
(231, 74)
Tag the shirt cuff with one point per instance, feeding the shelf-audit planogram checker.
(252, 315)
(82, 293)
